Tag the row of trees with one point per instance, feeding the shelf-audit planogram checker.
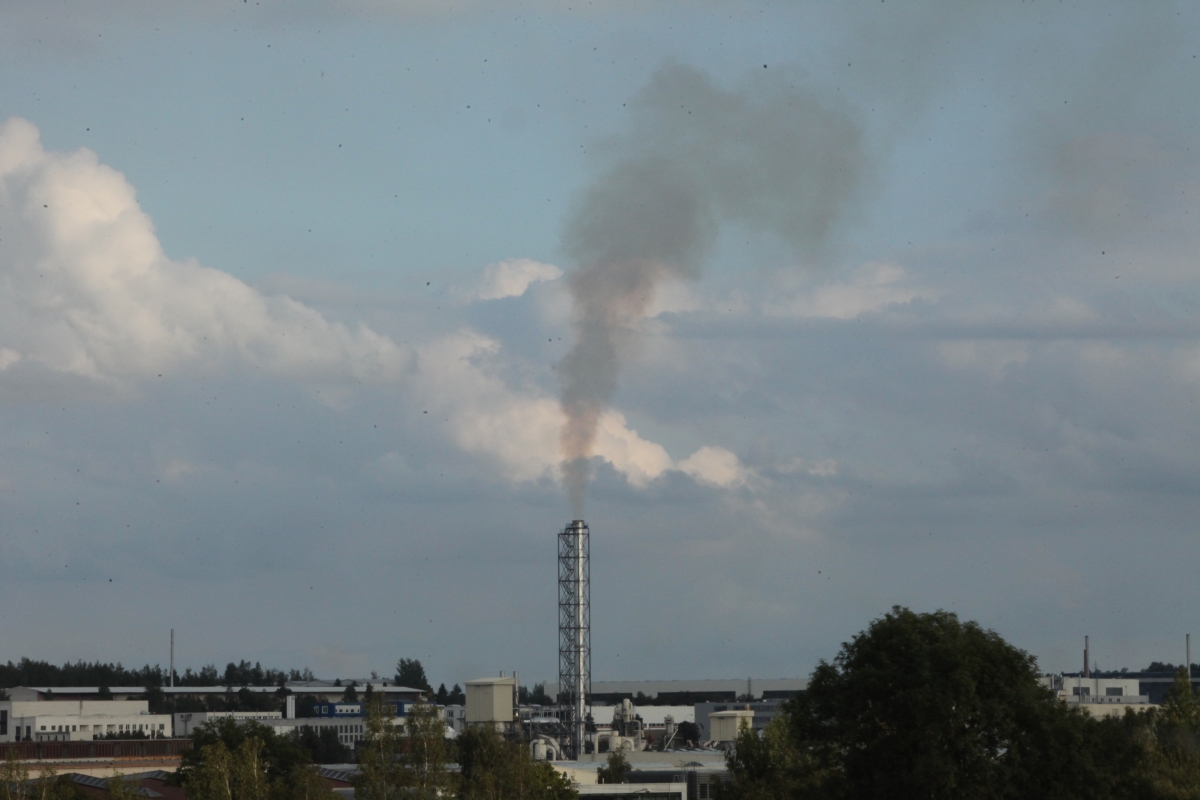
(28, 672)
(923, 705)
(234, 760)
(17, 784)
(245, 760)
(413, 761)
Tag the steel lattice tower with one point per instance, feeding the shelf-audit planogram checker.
(574, 629)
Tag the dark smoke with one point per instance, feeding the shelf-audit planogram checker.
(771, 157)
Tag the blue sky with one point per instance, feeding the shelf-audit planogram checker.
(285, 294)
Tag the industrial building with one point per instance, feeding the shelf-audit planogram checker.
(328, 691)
(689, 692)
(183, 723)
(758, 715)
(1100, 697)
(78, 720)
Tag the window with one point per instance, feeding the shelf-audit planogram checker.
(1115, 691)
(1081, 691)
(43, 727)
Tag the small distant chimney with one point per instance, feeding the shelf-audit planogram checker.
(1087, 666)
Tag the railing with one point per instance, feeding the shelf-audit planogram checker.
(112, 749)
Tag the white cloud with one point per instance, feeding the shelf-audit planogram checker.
(716, 466)
(457, 377)
(871, 287)
(640, 460)
(512, 277)
(86, 290)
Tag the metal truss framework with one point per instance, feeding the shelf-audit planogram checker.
(574, 630)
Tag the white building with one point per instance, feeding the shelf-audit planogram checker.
(183, 723)
(455, 717)
(1100, 697)
(78, 720)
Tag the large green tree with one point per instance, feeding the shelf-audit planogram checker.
(928, 706)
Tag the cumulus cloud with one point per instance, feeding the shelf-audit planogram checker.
(86, 290)
(716, 466)
(458, 379)
(512, 277)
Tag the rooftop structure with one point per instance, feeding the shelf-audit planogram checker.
(687, 692)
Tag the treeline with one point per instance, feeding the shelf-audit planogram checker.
(250, 761)
(28, 672)
(923, 705)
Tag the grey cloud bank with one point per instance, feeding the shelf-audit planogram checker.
(979, 394)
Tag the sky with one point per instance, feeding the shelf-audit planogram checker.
(852, 305)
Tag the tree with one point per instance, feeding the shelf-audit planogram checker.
(323, 745)
(350, 695)
(493, 769)
(413, 764)
(410, 673)
(14, 777)
(768, 766)
(688, 732)
(442, 697)
(923, 705)
(122, 788)
(380, 768)
(617, 768)
(537, 697)
(245, 760)
(457, 696)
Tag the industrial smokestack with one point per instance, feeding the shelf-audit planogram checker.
(574, 630)
(1087, 666)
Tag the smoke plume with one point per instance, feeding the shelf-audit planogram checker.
(771, 157)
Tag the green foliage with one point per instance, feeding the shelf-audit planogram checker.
(537, 697)
(245, 760)
(923, 705)
(28, 672)
(350, 695)
(410, 673)
(494, 769)
(323, 745)
(616, 770)
(687, 732)
(403, 762)
(770, 766)
(121, 788)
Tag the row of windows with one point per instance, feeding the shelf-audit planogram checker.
(142, 726)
